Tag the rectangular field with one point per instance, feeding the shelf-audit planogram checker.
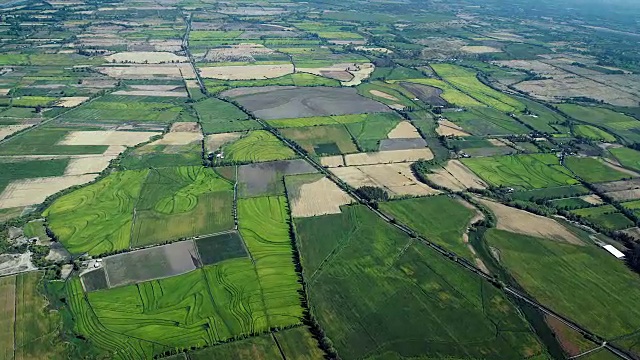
(217, 248)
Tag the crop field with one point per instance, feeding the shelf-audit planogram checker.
(570, 278)
(593, 170)
(570, 203)
(256, 146)
(265, 178)
(369, 133)
(486, 121)
(332, 120)
(440, 219)
(7, 315)
(314, 195)
(449, 93)
(593, 133)
(30, 169)
(393, 277)
(387, 93)
(307, 101)
(551, 193)
(606, 216)
(219, 116)
(521, 171)
(540, 117)
(159, 156)
(616, 123)
(44, 141)
(216, 248)
(627, 157)
(296, 79)
(120, 109)
(322, 140)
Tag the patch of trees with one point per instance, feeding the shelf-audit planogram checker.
(372, 194)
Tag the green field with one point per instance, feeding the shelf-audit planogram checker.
(593, 170)
(12, 171)
(401, 96)
(297, 79)
(606, 216)
(571, 279)
(218, 116)
(521, 171)
(593, 133)
(257, 146)
(570, 203)
(159, 156)
(439, 219)
(616, 123)
(368, 134)
(322, 140)
(332, 120)
(121, 109)
(551, 193)
(43, 141)
(398, 299)
(486, 121)
(449, 93)
(540, 117)
(217, 248)
(627, 157)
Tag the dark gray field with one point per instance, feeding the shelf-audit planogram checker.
(307, 102)
(153, 263)
(428, 94)
(95, 280)
(402, 144)
(266, 178)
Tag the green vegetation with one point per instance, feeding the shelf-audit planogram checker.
(296, 79)
(521, 171)
(122, 108)
(571, 278)
(570, 203)
(43, 141)
(256, 146)
(606, 216)
(159, 156)
(439, 219)
(216, 248)
(593, 133)
(629, 158)
(332, 120)
(368, 134)
(593, 170)
(12, 171)
(218, 116)
(449, 93)
(551, 193)
(614, 122)
(394, 290)
(486, 121)
(322, 140)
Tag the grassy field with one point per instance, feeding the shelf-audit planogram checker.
(297, 79)
(42, 141)
(265, 230)
(256, 146)
(368, 134)
(297, 343)
(606, 216)
(593, 170)
(7, 316)
(159, 156)
(12, 171)
(332, 120)
(627, 157)
(551, 193)
(449, 93)
(571, 279)
(401, 96)
(486, 121)
(217, 248)
(322, 140)
(121, 109)
(97, 218)
(592, 133)
(541, 118)
(465, 80)
(616, 123)
(398, 299)
(218, 116)
(570, 203)
(439, 219)
(521, 171)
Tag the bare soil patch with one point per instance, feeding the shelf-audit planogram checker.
(523, 222)
(401, 144)
(397, 179)
(361, 72)
(145, 57)
(232, 93)
(624, 195)
(374, 49)
(35, 191)
(249, 72)
(241, 52)
(404, 130)
(15, 263)
(320, 197)
(192, 127)
(266, 178)
(634, 231)
(339, 72)
(332, 161)
(480, 49)
(383, 95)
(592, 199)
(448, 128)
(126, 138)
(89, 164)
(11, 129)
(387, 157)
(619, 185)
(216, 141)
(179, 138)
(71, 101)
(455, 176)
(171, 71)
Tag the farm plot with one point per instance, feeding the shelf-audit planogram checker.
(427, 94)
(396, 179)
(521, 171)
(448, 128)
(449, 93)
(266, 178)
(12, 171)
(441, 219)
(306, 102)
(420, 290)
(145, 57)
(145, 72)
(247, 72)
(162, 156)
(551, 193)
(570, 279)
(215, 142)
(486, 121)
(122, 109)
(217, 248)
(334, 120)
(606, 216)
(256, 146)
(44, 141)
(219, 116)
(7, 316)
(592, 133)
(322, 140)
(314, 195)
(181, 202)
(621, 190)
(627, 157)
(619, 124)
(369, 134)
(11, 129)
(95, 280)
(124, 138)
(393, 95)
(526, 223)
(388, 157)
(32, 191)
(150, 264)
(593, 170)
(455, 176)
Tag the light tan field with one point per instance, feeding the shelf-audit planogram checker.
(216, 141)
(634, 231)
(387, 157)
(7, 311)
(448, 128)
(332, 161)
(250, 72)
(159, 87)
(374, 49)
(361, 72)
(336, 71)
(455, 176)
(176, 71)
(523, 222)
(497, 142)
(71, 101)
(11, 129)
(241, 52)
(179, 138)
(480, 49)
(35, 191)
(193, 127)
(383, 95)
(398, 107)
(126, 138)
(88, 165)
(624, 195)
(404, 130)
(159, 93)
(4, 92)
(592, 199)
(397, 179)
(145, 57)
(320, 197)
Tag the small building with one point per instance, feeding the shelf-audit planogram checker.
(615, 252)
